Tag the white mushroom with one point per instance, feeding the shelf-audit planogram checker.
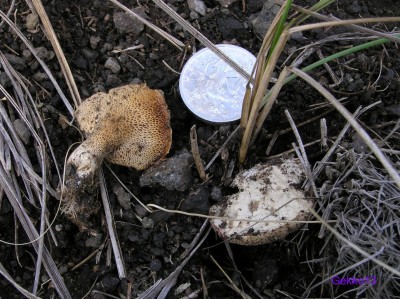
(270, 191)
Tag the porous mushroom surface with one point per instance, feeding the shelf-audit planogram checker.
(270, 191)
(128, 126)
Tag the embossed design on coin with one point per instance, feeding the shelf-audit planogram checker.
(212, 89)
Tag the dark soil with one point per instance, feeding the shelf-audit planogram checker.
(88, 37)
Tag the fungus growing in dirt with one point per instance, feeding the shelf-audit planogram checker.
(128, 126)
(267, 192)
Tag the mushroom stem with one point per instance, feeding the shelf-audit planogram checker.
(128, 126)
(85, 161)
(88, 156)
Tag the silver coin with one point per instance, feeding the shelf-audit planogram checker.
(212, 89)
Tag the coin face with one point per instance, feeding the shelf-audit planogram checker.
(212, 89)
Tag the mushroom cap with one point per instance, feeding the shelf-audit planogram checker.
(129, 125)
(270, 191)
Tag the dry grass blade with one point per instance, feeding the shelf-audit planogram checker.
(41, 62)
(347, 115)
(228, 140)
(177, 43)
(267, 107)
(33, 235)
(49, 31)
(302, 154)
(162, 287)
(350, 26)
(351, 267)
(196, 153)
(200, 37)
(342, 23)
(231, 283)
(259, 68)
(24, 292)
(27, 115)
(26, 108)
(232, 219)
(354, 247)
(12, 5)
(111, 228)
(34, 186)
(259, 94)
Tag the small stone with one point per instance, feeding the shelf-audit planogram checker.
(17, 62)
(94, 242)
(126, 23)
(160, 216)
(94, 40)
(297, 36)
(354, 8)
(230, 27)
(63, 269)
(197, 6)
(174, 173)
(22, 130)
(4, 81)
(158, 239)
(123, 197)
(140, 210)
(26, 54)
(109, 282)
(32, 21)
(252, 6)
(216, 194)
(194, 15)
(197, 202)
(113, 81)
(263, 20)
(40, 76)
(155, 265)
(133, 237)
(147, 222)
(43, 54)
(89, 54)
(154, 56)
(113, 65)
(157, 251)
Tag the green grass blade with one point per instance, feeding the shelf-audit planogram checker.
(340, 54)
(280, 26)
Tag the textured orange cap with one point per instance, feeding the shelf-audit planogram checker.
(129, 125)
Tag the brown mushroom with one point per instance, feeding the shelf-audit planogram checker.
(128, 126)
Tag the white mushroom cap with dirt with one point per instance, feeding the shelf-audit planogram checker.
(129, 126)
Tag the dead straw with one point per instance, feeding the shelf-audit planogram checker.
(347, 115)
(41, 62)
(49, 31)
(196, 154)
(200, 37)
(175, 42)
(119, 261)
